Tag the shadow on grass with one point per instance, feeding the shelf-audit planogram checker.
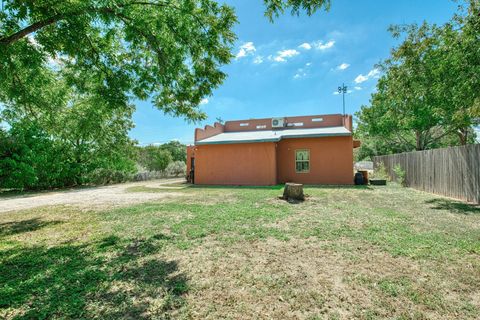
(17, 227)
(454, 206)
(106, 279)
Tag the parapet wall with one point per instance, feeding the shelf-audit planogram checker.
(300, 122)
(209, 131)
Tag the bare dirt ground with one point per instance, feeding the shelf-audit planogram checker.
(92, 197)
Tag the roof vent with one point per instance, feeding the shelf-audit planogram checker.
(278, 122)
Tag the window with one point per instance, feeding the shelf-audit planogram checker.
(296, 124)
(245, 124)
(302, 161)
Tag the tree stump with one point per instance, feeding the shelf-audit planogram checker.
(293, 191)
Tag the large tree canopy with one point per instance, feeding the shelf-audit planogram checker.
(70, 71)
(429, 95)
(170, 51)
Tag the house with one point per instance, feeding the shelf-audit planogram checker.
(305, 149)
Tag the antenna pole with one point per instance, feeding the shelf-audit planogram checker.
(343, 90)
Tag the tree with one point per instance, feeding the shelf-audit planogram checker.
(459, 88)
(276, 7)
(154, 158)
(79, 133)
(70, 69)
(177, 150)
(168, 51)
(430, 90)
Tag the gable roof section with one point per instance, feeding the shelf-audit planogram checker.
(273, 135)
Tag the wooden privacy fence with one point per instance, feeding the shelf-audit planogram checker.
(452, 172)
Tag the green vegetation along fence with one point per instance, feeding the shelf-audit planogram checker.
(452, 172)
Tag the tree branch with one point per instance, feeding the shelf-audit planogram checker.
(163, 4)
(30, 29)
(7, 40)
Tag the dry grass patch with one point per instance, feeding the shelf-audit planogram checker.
(309, 278)
(233, 253)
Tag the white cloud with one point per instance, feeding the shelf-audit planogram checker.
(306, 46)
(361, 78)
(245, 50)
(300, 74)
(204, 101)
(374, 73)
(283, 55)
(358, 88)
(258, 60)
(343, 66)
(319, 45)
(336, 92)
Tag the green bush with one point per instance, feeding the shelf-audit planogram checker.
(154, 158)
(380, 172)
(399, 174)
(176, 168)
(102, 176)
(31, 159)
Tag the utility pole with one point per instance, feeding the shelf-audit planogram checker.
(342, 90)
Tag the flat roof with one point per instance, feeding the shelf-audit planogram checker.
(273, 135)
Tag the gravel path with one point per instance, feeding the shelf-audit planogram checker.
(94, 197)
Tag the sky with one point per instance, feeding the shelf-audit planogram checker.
(294, 66)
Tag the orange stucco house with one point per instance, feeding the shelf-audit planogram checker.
(306, 149)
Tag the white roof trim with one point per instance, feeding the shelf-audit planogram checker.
(273, 135)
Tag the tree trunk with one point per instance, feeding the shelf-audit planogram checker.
(418, 138)
(293, 191)
(463, 136)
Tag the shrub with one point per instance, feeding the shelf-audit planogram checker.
(148, 175)
(105, 176)
(399, 174)
(380, 172)
(176, 168)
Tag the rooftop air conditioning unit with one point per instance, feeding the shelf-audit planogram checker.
(278, 122)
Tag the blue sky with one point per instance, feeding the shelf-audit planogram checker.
(294, 66)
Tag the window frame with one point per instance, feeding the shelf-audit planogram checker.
(309, 160)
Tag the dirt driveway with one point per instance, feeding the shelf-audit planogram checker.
(94, 197)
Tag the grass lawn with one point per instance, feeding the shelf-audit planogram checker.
(241, 253)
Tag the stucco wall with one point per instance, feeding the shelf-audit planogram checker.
(236, 164)
(331, 160)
